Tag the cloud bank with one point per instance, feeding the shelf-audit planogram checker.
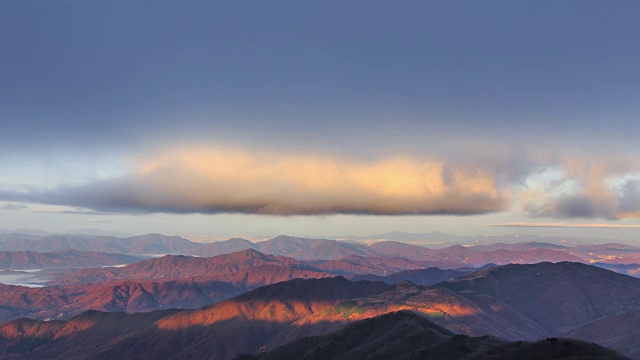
(215, 180)
(210, 180)
(566, 225)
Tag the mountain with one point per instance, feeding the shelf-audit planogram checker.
(220, 331)
(221, 247)
(619, 331)
(521, 246)
(97, 232)
(61, 302)
(145, 244)
(299, 248)
(515, 302)
(439, 239)
(450, 257)
(332, 249)
(628, 269)
(468, 256)
(557, 296)
(71, 339)
(32, 232)
(288, 245)
(248, 268)
(405, 335)
(413, 252)
(356, 264)
(441, 305)
(23, 260)
(305, 249)
(423, 277)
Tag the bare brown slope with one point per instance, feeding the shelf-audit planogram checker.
(222, 267)
(220, 331)
(61, 302)
(407, 336)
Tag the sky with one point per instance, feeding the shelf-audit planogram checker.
(321, 118)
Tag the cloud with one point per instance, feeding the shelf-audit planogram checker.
(566, 225)
(211, 180)
(585, 188)
(73, 212)
(14, 207)
(216, 180)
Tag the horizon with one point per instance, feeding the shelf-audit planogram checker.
(409, 237)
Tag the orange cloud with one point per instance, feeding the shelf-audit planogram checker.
(209, 179)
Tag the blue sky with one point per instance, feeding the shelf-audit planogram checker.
(318, 118)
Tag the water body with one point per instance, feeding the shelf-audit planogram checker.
(24, 278)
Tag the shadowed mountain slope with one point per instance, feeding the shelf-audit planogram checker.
(424, 277)
(61, 302)
(556, 296)
(621, 331)
(404, 335)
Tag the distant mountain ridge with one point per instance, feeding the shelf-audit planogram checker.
(144, 244)
(25, 260)
(454, 256)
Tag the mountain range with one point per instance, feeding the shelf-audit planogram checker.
(454, 256)
(513, 302)
(64, 259)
